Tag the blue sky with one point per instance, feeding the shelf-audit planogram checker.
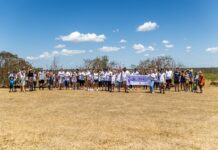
(125, 30)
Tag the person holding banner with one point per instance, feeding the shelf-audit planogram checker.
(135, 72)
(152, 78)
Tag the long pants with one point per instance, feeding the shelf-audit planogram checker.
(152, 86)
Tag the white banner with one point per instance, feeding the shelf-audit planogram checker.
(138, 80)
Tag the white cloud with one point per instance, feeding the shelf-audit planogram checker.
(123, 47)
(147, 26)
(60, 46)
(188, 49)
(80, 37)
(116, 30)
(63, 52)
(212, 49)
(123, 41)
(109, 49)
(67, 52)
(139, 48)
(167, 44)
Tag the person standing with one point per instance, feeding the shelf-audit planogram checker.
(119, 79)
(177, 78)
(34, 80)
(125, 75)
(162, 81)
(195, 83)
(74, 81)
(201, 81)
(109, 80)
(61, 74)
(22, 81)
(134, 73)
(96, 80)
(152, 78)
(182, 81)
(30, 79)
(156, 80)
(113, 80)
(187, 81)
(67, 76)
(41, 76)
(169, 75)
(11, 82)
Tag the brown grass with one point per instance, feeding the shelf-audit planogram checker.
(101, 120)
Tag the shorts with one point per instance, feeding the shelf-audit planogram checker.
(169, 81)
(41, 81)
(82, 82)
(96, 81)
(109, 83)
(124, 83)
(176, 82)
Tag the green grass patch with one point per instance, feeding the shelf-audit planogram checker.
(211, 76)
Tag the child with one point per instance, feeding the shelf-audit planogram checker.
(11, 83)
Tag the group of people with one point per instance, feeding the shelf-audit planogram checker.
(106, 80)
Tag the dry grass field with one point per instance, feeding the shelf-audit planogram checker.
(100, 120)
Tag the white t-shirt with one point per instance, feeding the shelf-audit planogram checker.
(104, 76)
(67, 76)
(41, 75)
(135, 73)
(34, 77)
(169, 74)
(113, 80)
(95, 76)
(152, 76)
(162, 78)
(82, 75)
(118, 78)
(90, 76)
(61, 75)
(108, 76)
(125, 75)
(74, 79)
